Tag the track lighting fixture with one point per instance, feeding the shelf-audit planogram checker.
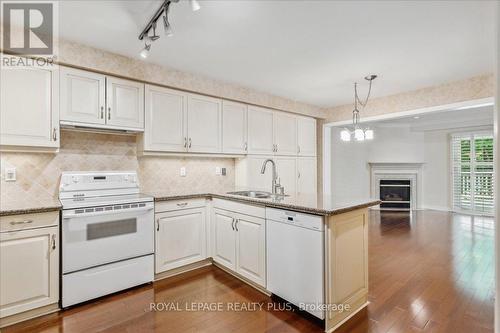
(145, 51)
(162, 12)
(359, 133)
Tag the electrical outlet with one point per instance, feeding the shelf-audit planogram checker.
(10, 174)
(217, 171)
(183, 172)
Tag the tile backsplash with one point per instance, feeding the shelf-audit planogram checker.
(38, 174)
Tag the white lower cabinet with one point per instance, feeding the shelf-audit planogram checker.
(239, 243)
(180, 238)
(29, 264)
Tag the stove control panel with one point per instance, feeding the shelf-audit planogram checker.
(98, 181)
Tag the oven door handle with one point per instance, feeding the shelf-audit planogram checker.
(110, 212)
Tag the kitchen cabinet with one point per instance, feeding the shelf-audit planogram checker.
(83, 96)
(306, 179)
(93, 100)
(306, 136)
(234, 128)
(287, 174)
(30, 107)
(224, 241)
(239, 239)
(204, 124)
(165, 126)
(260, 131)
(29, 262)
(180, 238)
(285, 134)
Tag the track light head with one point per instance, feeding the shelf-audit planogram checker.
(195, 5)
(370, 77)
(145, 51)
(167, 26)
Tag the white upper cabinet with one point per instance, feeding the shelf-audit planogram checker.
(125, 103)
(94, 100)
(166, 120)
(306, 136)
(287, 173)
(29, 106)
(234, 128)
(306, 178)
(83, 96)
(204, 124)
(285, 134)
(260, 131)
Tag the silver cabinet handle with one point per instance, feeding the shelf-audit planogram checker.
(157, 224)
(185, 142)
(236, 225)
(21, 222)
(189, 146)
(102, 112)
(109, 113)
(53, 241)
(232, 223)
(54, 134)
(298, 149)
(182, 204)
(246, 146)
(298, 174)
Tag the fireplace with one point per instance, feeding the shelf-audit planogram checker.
(395, 194)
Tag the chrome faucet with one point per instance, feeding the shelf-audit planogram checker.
(275, 185)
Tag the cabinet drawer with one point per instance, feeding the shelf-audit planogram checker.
(242, 208)
(28, 221)
(167, 206)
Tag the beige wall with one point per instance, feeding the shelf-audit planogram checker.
(454, 92)
(38, 174)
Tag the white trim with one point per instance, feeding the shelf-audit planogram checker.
(446, 107)
(327, 163)
(343, 321)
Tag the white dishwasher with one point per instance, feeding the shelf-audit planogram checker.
(295, 265)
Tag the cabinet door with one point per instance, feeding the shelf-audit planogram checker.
(287, 174)
(204, 124)
(224, 241)
(180, 238)
(260, 131)
(82, 96)
(125, 103)
(234, 128)
(285, 134)
(306, 178)
(29, 107)
(165, 127)
(251, 248)
(306, 136)
(29, 262)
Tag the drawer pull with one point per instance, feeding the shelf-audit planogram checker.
(53, 242)
(182, 204)
(21, 222)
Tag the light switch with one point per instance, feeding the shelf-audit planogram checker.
(223, 171)
(10, 174)
(183, 172)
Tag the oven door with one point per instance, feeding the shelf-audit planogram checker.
(103, 235)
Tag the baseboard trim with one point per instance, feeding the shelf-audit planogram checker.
(27, 315)
(343, 321)
(183, 269)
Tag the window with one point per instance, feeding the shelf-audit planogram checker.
(472, 172)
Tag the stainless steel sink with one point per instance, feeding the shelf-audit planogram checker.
(258, 194)
(253, 194)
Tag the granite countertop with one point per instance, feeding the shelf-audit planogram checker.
(29, 207)
(303, 203)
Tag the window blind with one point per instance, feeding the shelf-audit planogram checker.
(472, 172)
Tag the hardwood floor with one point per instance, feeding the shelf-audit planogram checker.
(431, 272)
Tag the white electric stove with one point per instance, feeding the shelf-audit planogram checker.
(107, 234)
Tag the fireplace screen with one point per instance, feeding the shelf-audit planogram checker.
(395, 194)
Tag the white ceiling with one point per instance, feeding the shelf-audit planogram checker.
(441, 120)
(311, 51)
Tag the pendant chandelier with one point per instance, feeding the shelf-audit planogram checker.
(358, 132)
